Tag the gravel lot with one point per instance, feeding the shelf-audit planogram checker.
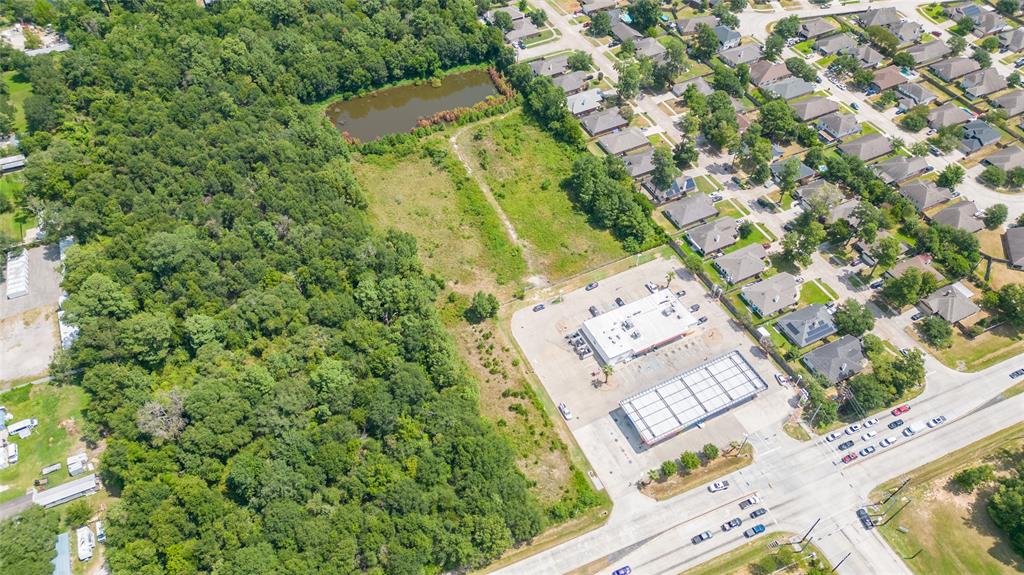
(28, 325)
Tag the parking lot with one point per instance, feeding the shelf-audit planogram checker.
(28, 324)
(601, 428)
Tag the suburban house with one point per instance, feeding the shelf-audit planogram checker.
(977, 135)
(522, 29)
(618, 143)
(584, 102)
(906, 31)
(573, 82)
(603, 121)
(789, 88)
(623, 32)
(764, 72)
(745, 54)
(815, 27)
(866, 56)
(699, 83)
(713, 236)
(982, 83)
(813, 107)
(1011, 102)
(1012, 40)
(866, 147)
(12, 163)
(651, 48)
(887, 78)
(989, 23)
(688, 26)
(1013, 242)
(835, 43)
(844, 211)
(590, 7)
(948, 114)
(639, 164)
(690, 210)
(803, 172)
(813, 188)
(551, 67)
(836, 361)
(680, 186)
(952, 68)
(952, 303)
(960, 215)
(925, 194)
(806, 325)
(839, 125)
(921, 262)
(513, 12)
(914, 95)
(772, 295)
(928, 52)
(879, 17)
(1008, 158)
(985, 21)
(727, 37)
(900, 168)
(743, 263)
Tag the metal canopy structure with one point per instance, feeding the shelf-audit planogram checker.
(692, 397)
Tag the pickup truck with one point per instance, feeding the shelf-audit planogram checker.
(913, 428)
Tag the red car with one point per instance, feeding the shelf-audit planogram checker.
(901, 410)
(849, 458)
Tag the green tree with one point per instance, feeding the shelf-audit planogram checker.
(994, 176)
(908, 288)
(644, 14)
(885, 252)
(886, 41)
(668, 468)
(685, 154)
(665, 170)
(503, 20)
(982, 57)
(863, 78)
(853, 318)
(995, 215)
(773, 47)
(580, 61)
(710, 451)
(964, 26)
(689, 460)
(787, 27)
(801, 69)
(951, 176)
(956, 44)
(778, 122)
(1007, 7)
(600, 24)
(539, 17)
(936, 331)
(970, 478)
(78, 513)
(915, 119)
(903, 59)
(990, 43)
(706, 44)
(1010, 303)
(629, 80)
(483, 307)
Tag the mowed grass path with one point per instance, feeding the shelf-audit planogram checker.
(14, 221)
(18, 89)
(524, 168)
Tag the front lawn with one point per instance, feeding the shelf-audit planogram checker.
(811, 292)
(805, 47)
(705, 185)
(933, 12)
(756, 236)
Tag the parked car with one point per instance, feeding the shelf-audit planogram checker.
(1017, 374)
(888, 441)
(758, 512)
(937, 421)
(849, 457)
(681, 293)
(877, 284)
(591, 286)
(718, 486)
(716, 197)
(901, 409)
(651, 287)
(752, 500)
(833, 436)
(593, 311)
(781, 379)
(895, 424)
(566, 412)
(623, 570)
(865, 519)
(538, 307)
(732, 523)
(917, 316)
(695, 307)
(845, 445)
(702, 319)
(619, 302)
(754, 531)
(867, 451)
(852, 429)
(870, 421)
(701, 537)
(868, 435)
(855, 106)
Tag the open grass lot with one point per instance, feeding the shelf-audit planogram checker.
(812, 292)
(59, 411)
(983, 351)
(730, 208)
(18, 89)
(1001, 274)
(458, 235)
(755, 557)
(953, 530)
(756, 236)
(524, 168)
(991, 242)
(14, 221)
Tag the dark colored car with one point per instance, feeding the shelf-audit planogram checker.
(895, 424)
(623, 570)
(619, 302)
(877, 284)
(538, 307)
(695, 307)
(593, 311)
(732, 524)
(865, 519)
(592, 285)
(917, 316)
(702, 537)
(758, 512)
(1017, 374)
(845, 445)
(702, 319)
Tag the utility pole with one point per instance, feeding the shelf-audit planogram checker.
(841, 562)
(893, 494)
(897, 513)
(806, 535)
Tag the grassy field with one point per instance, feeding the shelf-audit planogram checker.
(950, 531)
(991, 242)
(983, 351)
(18, 89)
(458, 234)
(14, 221)
(59, 411)
(1002, 274)
(811, 292)
(524, 167)
(754, 557)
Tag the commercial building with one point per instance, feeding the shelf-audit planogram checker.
(638, 327)
(692, 397)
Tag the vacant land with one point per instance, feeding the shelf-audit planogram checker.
(524, 167)
(59, 411)
(952, 529)
(18, 88)
(754, 557)
(13, 221)
(811, 292)
(976, 354)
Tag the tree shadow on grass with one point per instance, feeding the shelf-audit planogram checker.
(783, 264)
(979, 520)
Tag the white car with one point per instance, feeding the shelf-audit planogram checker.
(753, 500)
(868, 435)
(887, 441)
(937, 421)
(718, 486)
(566, 412)
(870, 422)
(833, 436)
(853, 429)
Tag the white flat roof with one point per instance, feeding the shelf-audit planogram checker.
(71, 489)
(690, 397)
(638, 326)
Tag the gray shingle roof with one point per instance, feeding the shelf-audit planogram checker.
(916, 92)
(953, 303)
(977, 135)
(623, 31)
(623, 141)
(982, 82)
(713, 236)
(743, 54)
(1008, 158)
(584, 102)
(651, 48)
(680, 186)
(921, 262)
(839, 125)
(771, 295)
(948, 114)
(929, 51)
(803, 170)
(764, 72)
(960, 215)
(867, 147)
(837, 361)
(867, 56)
(835, 43)
(813, 107)
(879, 17)
(953, 68)
(1013, 40)
(690, 209)
(726, 36)
(602, 121)
(687, 26)
(1014, 238)
(925, 194)
(1012, 102)
(699, 83)
(906, 31)
(571, 82)
(639, 163)
(900, 168)
(743, 263)
(806, 325)
(553, 66)
(789, 88)
(815, 27)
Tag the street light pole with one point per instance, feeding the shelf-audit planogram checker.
(841, 562)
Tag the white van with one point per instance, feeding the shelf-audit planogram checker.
(12, 453)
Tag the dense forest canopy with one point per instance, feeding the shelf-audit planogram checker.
(274, 388)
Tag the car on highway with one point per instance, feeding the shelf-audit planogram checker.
(901, 410)
(937, 421)
(591, 286)
(594, 311)
(895, 424)
(732, 523)
(833, 436)
(753, 531)
(538, 307)
(566, 412)
(1017, 374)
(619, 302)
(623, 570)
(845, 445)
(752, 500)
(701, 537)
(718, 486)
(888, 441)
(865, 519)
(849, 457)
(758, 512)
(870, 422)
(868, 435)
(852, 429)
(867, 451)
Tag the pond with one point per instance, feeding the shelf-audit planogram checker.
(396, 110)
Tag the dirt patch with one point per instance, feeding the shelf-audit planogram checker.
(27, 343)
